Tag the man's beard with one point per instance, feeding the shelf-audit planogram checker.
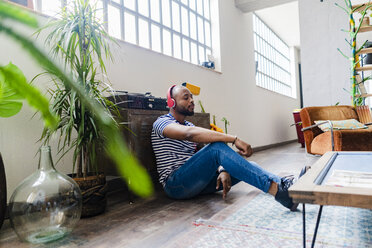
(185, 112)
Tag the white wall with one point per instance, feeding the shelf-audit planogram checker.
(257, 115)
(284, 21)
(325, 72)
(253, 5)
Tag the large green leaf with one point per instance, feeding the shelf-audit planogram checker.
(14, 78)
(10, 101)
(137, 178)
(10, 11)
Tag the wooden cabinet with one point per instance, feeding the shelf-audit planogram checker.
(139, 122)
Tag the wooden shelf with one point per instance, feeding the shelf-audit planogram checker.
(361, 9)
(365, 29)
(365, 51)
(364, 95)
(364, 68)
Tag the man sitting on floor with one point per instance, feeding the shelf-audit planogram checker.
(185, 173)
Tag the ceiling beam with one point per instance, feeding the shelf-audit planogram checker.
(253, 5)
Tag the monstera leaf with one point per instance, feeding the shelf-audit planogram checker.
(10, 101)
(14, 88)
(14, 78)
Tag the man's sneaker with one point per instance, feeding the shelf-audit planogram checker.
(282, 195)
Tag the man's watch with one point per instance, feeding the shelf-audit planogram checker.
(236, 137)
(221, 170)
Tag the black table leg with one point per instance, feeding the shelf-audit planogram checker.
(303, 225)
(317, 225)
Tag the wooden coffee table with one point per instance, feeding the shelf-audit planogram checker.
(312, 187)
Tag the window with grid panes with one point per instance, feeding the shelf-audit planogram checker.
(272, 56)
(178, 28)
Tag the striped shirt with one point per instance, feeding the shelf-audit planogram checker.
(170, 153)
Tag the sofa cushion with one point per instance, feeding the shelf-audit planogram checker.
(341, 124)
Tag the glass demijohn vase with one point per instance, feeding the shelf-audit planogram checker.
(46, 205)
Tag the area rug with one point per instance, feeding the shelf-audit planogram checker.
(263, 223)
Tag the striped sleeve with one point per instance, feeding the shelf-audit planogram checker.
(160, 124)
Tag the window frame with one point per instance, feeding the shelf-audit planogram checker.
(206, 49)
(272, 72)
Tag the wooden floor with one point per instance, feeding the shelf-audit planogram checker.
(160, 221)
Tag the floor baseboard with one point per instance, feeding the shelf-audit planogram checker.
(261, 148)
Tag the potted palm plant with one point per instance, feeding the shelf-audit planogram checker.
(80, 39)
(115, 148)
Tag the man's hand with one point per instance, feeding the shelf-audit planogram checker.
(244, 148)
(225, 179)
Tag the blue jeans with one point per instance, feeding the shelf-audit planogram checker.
(198, 175)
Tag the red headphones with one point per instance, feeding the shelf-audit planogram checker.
(170, 101)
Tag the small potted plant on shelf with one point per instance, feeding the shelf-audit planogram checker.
(80, 39)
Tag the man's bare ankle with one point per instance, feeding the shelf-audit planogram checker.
(273, 189)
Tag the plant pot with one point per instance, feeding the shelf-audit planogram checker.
(2, 192)
(368, 57)
(94, 190)
(365, 22)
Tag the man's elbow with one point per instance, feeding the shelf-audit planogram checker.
(189, 134)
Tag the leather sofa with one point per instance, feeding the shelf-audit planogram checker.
(319, 142)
